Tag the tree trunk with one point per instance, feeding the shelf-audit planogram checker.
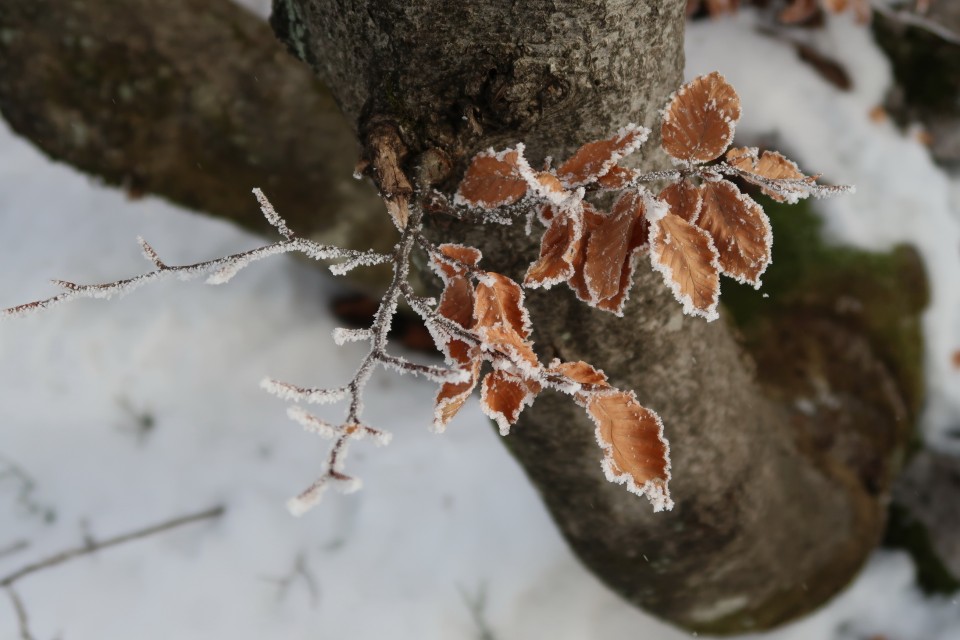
(767, 524)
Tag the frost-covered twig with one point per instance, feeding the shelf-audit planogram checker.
(220, 270)
(352, 427)
(916, 19)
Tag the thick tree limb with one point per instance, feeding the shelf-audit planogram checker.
(192, 100)
(769, 522)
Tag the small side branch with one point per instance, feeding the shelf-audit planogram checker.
(220, 270)
(93, 546)
(23, 620)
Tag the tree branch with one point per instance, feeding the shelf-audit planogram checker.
(191, 100)
(93, 545)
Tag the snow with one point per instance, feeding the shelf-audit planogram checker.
(133, 411)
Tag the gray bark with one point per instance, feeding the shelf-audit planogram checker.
(767, 525)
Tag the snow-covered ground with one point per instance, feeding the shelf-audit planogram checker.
(118, 415)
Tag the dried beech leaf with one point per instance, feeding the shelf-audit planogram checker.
(739, 228)
(686, 257)
(558, 249)
(456, 304)
(504, 339)
(493, 179)
(770, 165)
(684, 200)
(635, 451)
(594, 159)
(468, 256)
(581, 373)
(499, 301)
(548, 185)
(607, 250)
(699, 122)
(453, 395)
(590, 219)
(608, 269)
(504, 395)
(616, 178)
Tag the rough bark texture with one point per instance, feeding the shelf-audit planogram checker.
(767, 525)
(194, 100)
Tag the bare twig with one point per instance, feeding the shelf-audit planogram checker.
(302, 573)
(14, 547)
(93, 546)
(23, 621)
(476, 604)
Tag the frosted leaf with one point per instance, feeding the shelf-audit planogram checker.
(595, 159)
(580, 372)
(740, 230)
(499, 301)
(454, 260)
(786, 175)
(684, 254)
(683, 199)
(504, 339)
(635, 451)
(341, 336)
(456, 304)
(590, 219)
(493, 179)
(699, 122)
(453, 395)
(609, 247)
(617, 178)
(503, 396)
(558, 249)
(286, 391)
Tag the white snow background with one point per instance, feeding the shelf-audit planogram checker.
(446, 527)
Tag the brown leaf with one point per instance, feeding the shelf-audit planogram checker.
(501, 320)
(594, 159)
(558, 249)
(458, 253)
(739, 228)
(581, 373)
(457, 304)
(504, 395)
(499, 301)
(453, 395)
(590, 219)
(608, 246)
(635, 451)
(608, 268)
(686, 257)
(493, 180)
(770, 165)
(684, 199)
(504, 339)
(699, 122)
(616, 178)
